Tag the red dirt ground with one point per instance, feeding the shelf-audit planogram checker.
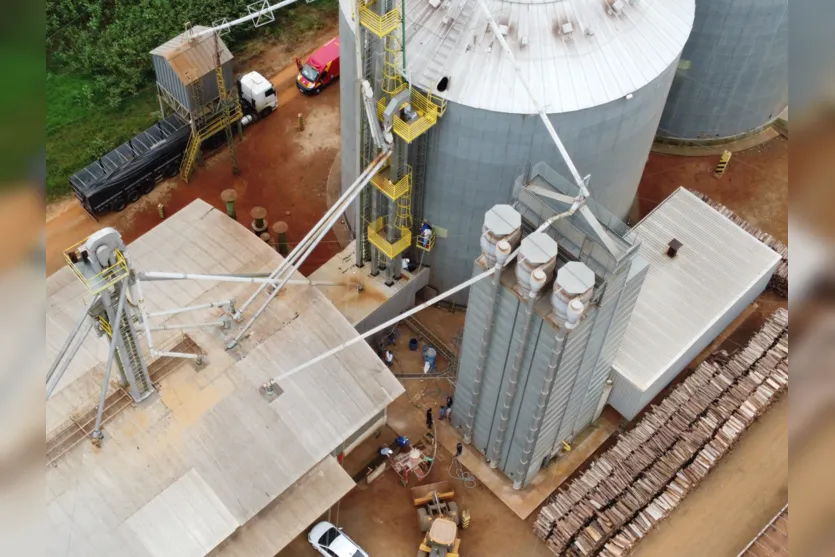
(755, 184)
(282, 169)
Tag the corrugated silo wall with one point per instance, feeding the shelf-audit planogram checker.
(475, 155)
(171, 82)
(347, 114)
(733, 78)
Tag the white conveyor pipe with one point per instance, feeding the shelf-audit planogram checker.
(178, 326)
(325, 225)
(161, 275)
(186, 309)
(72, 335)
(326, 222)
(551, 131)
(146, 325)
(244, 19)
(385, 325)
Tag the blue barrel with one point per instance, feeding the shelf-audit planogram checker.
(413, 344)
(429, 355)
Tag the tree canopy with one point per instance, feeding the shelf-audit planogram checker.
(110, 40)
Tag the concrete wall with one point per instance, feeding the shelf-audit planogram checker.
(733, 75)
(629, 399)
(399, 302)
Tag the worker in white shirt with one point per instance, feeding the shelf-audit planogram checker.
(389, 358)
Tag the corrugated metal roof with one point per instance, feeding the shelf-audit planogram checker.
(603, 58)
(207, 435)
(683, 296)
(190, 56)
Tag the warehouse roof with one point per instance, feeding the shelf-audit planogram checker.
(207, 455)
(683, 296)
(575, 54)
(191, 56)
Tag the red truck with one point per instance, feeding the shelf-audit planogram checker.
(320, 69)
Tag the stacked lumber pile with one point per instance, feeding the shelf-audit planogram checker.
(636, 483)
(779, 282)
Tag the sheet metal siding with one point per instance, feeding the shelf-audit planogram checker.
(604, 366)
(474, 156)
(738, 76)
(349, 134)
(499, 350)
(605, 316)
(629, 400)
(572, 359)
(529, 378)
(168, 80)
(474, 320)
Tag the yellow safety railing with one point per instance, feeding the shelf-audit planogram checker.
(426, 244)
(376, 235)
(105, 325)
(392, 190)
(106, 278)
(428, 109)
(380, 25)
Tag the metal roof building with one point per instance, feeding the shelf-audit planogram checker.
(207, 464)
(185, 66)
(687, 300)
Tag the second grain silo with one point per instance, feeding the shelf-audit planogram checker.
(732, 78)
(540, 337)
(602, 69)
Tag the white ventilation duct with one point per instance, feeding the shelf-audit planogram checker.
(575, 281)
(502, 222)
(538, 252)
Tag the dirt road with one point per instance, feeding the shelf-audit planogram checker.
(283, 170)
(735, 501)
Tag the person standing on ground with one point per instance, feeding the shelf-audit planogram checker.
(389, 358)
(459, 448)
(441, 412)
(429, 420)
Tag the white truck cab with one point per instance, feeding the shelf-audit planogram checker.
(259, 93)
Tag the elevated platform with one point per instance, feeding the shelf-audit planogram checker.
(375, 302)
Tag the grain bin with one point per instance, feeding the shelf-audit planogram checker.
(732, 78)
(602, 69)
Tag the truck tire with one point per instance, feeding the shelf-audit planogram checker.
(317, 90)
(453, 513)
(148, 186)
(133, 196)
(424, 520)
(266, 112)
(118, 205)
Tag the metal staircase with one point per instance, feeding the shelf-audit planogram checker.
(457, 24)
(131, 359)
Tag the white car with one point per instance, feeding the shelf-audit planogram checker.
(332, 542)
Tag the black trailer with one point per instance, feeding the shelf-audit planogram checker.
(132, 169)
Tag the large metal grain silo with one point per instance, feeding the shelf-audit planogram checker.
(601, 68)
(732, 78)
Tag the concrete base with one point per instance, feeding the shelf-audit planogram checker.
(688, 148)
(525, 501)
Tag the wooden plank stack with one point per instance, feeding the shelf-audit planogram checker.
(643, 477)
(779, 282)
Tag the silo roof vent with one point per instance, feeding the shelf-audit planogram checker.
(673, 247)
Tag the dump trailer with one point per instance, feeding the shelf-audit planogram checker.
(133, 168)
(435, 501)
(441, 540)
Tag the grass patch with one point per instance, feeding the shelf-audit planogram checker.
(78, 129)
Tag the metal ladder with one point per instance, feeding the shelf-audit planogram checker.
(367, 150)
(224, 103)
(419, 182)
(132, 359)
(437, 64)
(194, 142)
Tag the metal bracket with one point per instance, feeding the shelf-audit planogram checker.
(270, 391)
(219, 23)
(263, 18)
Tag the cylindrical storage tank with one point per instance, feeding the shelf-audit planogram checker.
(575, 281)
(600, 68)
(502, 222)
(537, 252)
(732, 79)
